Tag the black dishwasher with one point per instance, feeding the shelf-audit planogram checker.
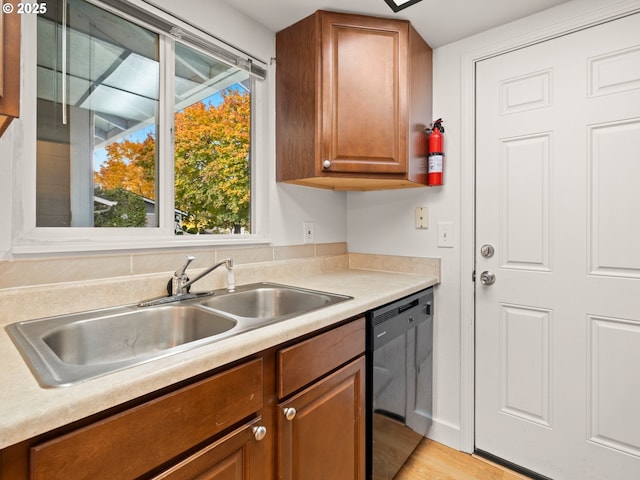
(399, 381)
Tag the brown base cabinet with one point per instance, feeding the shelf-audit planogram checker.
(321, 430)
(291, 412)
(140, 439)
(321, 421)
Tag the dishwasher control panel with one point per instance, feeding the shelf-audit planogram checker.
(389, 321)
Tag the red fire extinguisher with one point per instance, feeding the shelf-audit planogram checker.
(436, 154)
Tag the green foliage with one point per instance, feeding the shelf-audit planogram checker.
(212, 166)
(129, 211)
(130, 165)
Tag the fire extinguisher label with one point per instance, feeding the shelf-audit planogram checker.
(435, 163)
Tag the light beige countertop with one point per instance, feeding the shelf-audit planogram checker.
(27, 409)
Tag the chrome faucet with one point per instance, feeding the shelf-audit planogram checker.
(181, 283)
(178, 286)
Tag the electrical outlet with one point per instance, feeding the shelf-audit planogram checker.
(422, 217)
(308, 232)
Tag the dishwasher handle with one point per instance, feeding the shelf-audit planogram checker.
(396, 326)
(408, 306)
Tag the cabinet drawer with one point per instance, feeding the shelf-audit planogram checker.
(306, 361)
(135, 441)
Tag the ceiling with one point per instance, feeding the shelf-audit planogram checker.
(439, 22)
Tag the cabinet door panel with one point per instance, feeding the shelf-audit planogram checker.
(364, 95)
(237, 456)
(326, 437)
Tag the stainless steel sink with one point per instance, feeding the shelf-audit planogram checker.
(116, 338)
(68, 349)
(266, 302)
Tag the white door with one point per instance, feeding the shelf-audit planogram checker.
(558, 199)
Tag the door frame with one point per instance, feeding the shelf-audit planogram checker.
(567, 18)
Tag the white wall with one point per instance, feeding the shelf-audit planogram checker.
(8, 144)
(384, 223)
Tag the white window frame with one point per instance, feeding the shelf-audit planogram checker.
(29, 239)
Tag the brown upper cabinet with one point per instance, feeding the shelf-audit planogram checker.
(353, 98)
(9, 68)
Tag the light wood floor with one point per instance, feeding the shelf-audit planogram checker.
(434, 461)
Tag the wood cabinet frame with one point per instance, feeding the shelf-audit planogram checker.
(9, 68)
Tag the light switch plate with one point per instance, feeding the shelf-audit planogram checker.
(422, 217)
(445, 235)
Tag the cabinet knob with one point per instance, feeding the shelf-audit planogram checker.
(326, 164)
(289, 413)
(259, 432)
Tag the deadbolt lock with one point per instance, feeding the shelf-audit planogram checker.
(487, 250)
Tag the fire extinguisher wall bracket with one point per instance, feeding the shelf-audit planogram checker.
(436, 154)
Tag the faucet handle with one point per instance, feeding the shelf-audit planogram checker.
(174, 287)
(180, 272)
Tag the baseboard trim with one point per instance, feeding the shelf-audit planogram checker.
(445, 433)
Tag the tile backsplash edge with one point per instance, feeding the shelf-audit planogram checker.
(395, 263)
(34, 301)
(82, 268)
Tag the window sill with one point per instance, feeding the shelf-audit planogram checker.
(36, 248)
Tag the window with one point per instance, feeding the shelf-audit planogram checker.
(212, 143)
(138, 129)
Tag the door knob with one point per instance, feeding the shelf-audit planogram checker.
(487, 278)
(326, 164)
(289, 413)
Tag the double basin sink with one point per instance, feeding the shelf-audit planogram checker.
(68, 349)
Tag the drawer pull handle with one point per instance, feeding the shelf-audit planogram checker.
(259, 432)
(289, 413)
